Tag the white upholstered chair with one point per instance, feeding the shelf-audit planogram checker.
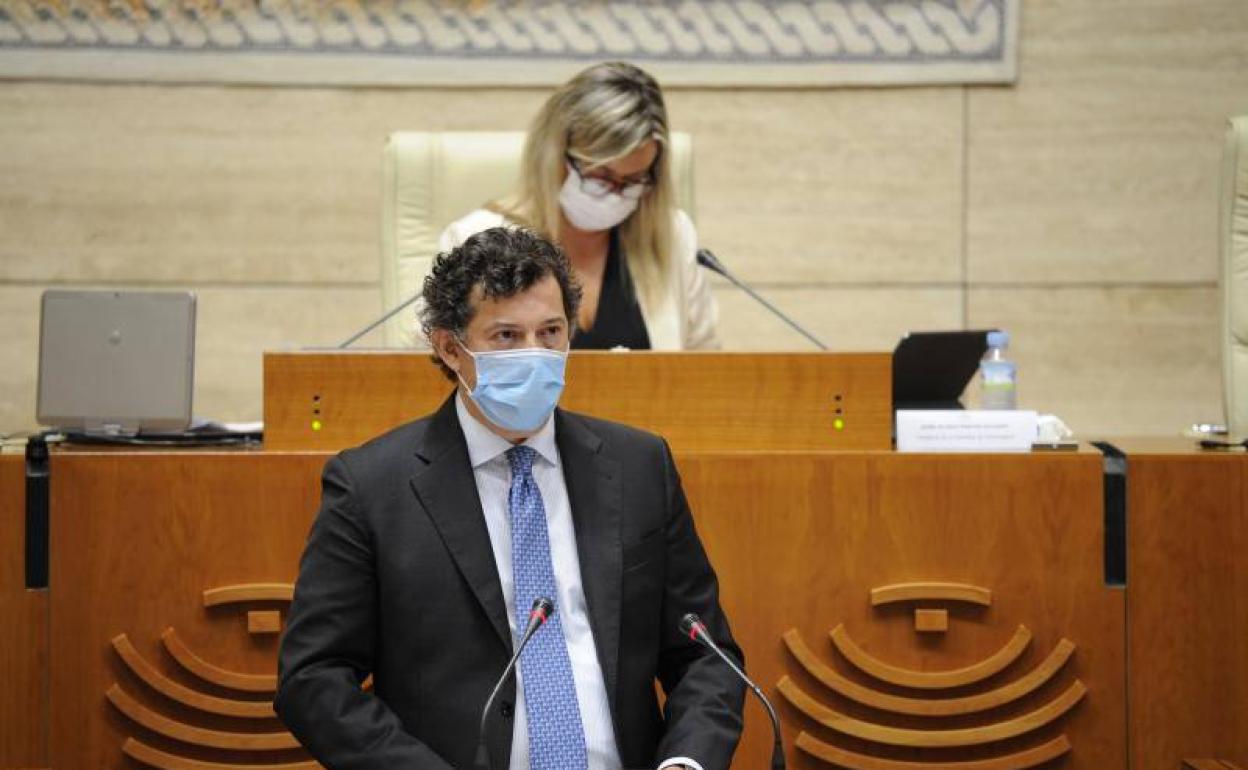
(1233, 240)
(431, 179)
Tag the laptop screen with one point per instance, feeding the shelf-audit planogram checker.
(931, 369)
(116, 362)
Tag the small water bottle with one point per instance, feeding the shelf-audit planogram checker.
(997, 374)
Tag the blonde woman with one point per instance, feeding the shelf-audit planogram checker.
(595, 179)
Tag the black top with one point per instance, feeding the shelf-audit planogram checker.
(619, 321)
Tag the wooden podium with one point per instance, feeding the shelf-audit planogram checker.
(902, 611)
(329, 400)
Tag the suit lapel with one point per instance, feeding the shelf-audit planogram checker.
(447, 489)
(594, 494)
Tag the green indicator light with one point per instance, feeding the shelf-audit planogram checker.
(838, 423)
(316, 425)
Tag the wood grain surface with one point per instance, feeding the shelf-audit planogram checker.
(829, 677)
(1187, 577)
(977, 672)
(799, 541)
(697, 401)
(139, 537)
(23, 632)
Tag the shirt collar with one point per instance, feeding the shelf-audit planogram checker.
(485, 445)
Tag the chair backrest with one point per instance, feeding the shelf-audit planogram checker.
(1233, 239)
(431, 179)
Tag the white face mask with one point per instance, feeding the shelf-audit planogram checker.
(593, 213)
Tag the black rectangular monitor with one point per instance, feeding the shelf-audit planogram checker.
(931, 369)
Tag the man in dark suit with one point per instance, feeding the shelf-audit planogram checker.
(433, 540)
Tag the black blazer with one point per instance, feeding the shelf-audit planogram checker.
(398, 580)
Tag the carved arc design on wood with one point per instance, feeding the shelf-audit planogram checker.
(136, 749)
(215, 674)
(260, 740)
(198, 736)
(162, 684)
(858, 677)
(931, 680)
(969, 704)
(249, 592)
(898, 736)
(931, 591)
(1021, 760)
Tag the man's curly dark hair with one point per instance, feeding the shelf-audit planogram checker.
(503, 261)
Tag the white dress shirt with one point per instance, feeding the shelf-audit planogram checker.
(487, 452)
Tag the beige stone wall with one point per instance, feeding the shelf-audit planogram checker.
(1076, 209)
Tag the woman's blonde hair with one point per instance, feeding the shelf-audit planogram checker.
(602, 114)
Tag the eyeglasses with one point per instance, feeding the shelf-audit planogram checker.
(602, 186)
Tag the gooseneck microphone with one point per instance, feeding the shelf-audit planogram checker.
(692, 625)
(542, 609)
(711, 262)
(389, 314)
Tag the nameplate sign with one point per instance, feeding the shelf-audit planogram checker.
(955, 430)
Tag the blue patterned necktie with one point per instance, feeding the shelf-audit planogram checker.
(556, 737)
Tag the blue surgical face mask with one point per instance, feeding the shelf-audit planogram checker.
(517, 389)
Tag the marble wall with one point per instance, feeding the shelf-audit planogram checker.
(1076, 209)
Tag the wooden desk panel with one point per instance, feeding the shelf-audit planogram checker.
(138, 538)
(799, 540)
(1187, 574)
(23, 633)
(698, 401)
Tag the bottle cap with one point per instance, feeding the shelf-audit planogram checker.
(998, 339)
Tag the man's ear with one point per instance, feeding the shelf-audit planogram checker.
(446, 347)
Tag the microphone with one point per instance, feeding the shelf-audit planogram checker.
(389, 314)
(711, 262)
(692, 625)
(542, 609)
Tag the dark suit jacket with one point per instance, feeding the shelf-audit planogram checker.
(398, 580)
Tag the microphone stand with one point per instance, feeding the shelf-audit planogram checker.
(538, 615)
(390, 314)
(692, 625)
(711, 262)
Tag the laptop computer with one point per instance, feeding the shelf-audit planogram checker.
(116, 363)
(932, 369)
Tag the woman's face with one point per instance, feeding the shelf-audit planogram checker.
(631, 169)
